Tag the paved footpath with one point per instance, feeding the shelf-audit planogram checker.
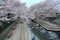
(20, 33)
(48, 25)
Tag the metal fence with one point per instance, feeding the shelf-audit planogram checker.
(6, 31)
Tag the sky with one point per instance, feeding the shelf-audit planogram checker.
(31, 2)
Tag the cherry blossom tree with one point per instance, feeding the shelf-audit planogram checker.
(46, 8)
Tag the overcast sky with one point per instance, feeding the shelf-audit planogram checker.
(31, 2)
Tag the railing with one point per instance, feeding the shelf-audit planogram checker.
(6, 31)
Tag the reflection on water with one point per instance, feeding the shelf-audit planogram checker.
(32, 35)
(42, 34)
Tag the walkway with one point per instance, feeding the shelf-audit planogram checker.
(48, 25)
(20, 33)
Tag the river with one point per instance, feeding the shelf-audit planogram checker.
(39, 33)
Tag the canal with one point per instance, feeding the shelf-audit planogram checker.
(37, 32)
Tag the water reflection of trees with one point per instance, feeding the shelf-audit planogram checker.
(43, 34)
(48, 35)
